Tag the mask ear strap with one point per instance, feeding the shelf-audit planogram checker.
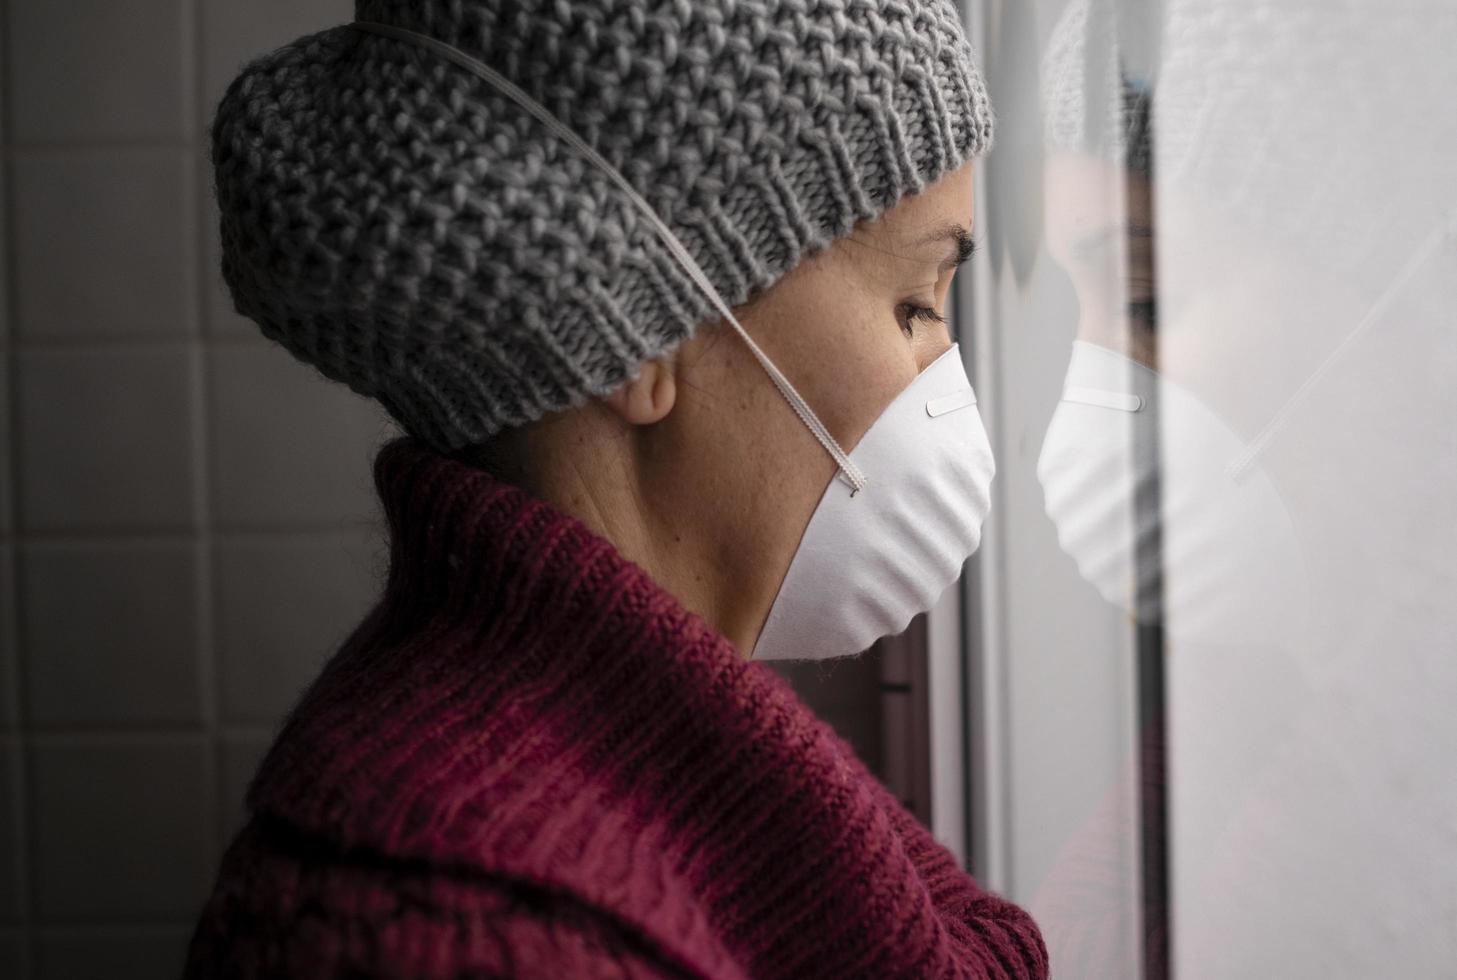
(847, 467)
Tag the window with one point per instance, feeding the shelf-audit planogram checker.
(1211, 634)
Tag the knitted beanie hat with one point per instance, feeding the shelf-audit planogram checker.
(411, 231)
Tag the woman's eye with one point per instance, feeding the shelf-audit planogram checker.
(912, 312)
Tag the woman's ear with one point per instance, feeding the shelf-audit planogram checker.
(649, 397)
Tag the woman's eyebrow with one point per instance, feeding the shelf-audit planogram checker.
(963, 243)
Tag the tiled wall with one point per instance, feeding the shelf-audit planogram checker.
(187, 520)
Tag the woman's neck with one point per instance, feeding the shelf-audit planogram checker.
(715, 559)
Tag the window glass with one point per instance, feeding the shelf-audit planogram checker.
(1217, 332)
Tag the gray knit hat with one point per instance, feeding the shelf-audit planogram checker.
(408, 229)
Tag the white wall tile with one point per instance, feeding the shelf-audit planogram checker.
(10, 843)
(7, 465)
(83, 70)
(283, 606)
(9, 640)
(14, 964)
(4, 240)
(289, 447)
(241, 757)
(104, 243)
(105, 439)
(5, 76)
(122, 828)
(116, 953)
(110, 632)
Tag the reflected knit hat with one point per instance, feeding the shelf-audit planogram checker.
(408, 229)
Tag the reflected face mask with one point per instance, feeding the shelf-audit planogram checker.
(870, 561)
(1146, 487)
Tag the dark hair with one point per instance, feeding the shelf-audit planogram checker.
(502, 455)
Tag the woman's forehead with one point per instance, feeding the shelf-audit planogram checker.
(916, 226)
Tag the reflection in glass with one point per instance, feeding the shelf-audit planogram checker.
(1253, 214)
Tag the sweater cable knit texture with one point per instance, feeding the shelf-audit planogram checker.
(529, 760)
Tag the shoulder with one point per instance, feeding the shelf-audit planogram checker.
(283, 906)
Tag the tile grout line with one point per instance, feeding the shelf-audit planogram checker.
(209, 684)
(152, 732)
(20, 806)
(142, 536)
(68, 146)
(110, 343)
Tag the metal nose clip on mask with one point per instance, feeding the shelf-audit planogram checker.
(872, 556)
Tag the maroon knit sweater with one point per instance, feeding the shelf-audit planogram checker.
(529, 760)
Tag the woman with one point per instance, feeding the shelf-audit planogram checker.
(549, 750)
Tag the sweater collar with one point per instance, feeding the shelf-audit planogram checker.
(465, 546)
(522, 699)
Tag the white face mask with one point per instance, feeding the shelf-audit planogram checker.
(871, 561)
(880, 547)
(1229, 569)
